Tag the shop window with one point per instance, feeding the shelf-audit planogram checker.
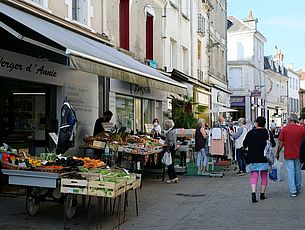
(80, 11)
(138, 114)
(147, 111)
(124, 24)
(125, 111)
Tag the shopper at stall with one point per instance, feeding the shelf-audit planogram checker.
(255, 141)
(239, 137)
(170, 143)
(156, 130)
(290, 138)
(98, 127)
(200, 142)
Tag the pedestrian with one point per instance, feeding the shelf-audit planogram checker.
(290, 138)
(239, 137)
(255, 141)
(200, 142)
(273, 127)
(156, 130)
(170, 143)
(98, 127)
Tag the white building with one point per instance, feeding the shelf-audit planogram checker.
(276, 89)
(217, 53)
(246, 68)
(293, 92)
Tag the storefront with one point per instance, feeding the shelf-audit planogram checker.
(134, 106)
(238, 103)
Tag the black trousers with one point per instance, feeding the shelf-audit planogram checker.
(170, 168)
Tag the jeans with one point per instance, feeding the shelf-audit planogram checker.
(241, 160)
(294, 175)
(202, 157)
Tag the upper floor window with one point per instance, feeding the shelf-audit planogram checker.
(43, 3)
(185, 60)
(173, 53)
(201, 24)
(185, 7)
(80, 11)
(149, 36)
(124, 24)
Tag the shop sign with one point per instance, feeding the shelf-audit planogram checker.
(141, 90)
(237, 101)
(256, 93)
(19, 66)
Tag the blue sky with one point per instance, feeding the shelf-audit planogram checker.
(281, 22)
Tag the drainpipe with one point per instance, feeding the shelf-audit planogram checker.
(163, 25)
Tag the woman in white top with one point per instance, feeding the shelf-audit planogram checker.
(156, 130)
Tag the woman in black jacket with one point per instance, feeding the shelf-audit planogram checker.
(255, 141)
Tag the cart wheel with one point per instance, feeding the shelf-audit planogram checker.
(70, 206)
(32, 202)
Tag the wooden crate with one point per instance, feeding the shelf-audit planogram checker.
(74, 186)
(138, 180)
(107, 189)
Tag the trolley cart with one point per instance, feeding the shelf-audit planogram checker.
(40, 187)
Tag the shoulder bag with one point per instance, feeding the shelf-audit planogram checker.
(268, 151)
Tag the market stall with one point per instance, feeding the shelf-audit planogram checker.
(67, 177)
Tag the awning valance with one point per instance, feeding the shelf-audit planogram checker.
(89, 55)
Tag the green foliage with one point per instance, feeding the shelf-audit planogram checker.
(182, 113)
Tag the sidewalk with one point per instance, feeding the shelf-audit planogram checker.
(193, 203)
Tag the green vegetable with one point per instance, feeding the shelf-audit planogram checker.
(83, 169)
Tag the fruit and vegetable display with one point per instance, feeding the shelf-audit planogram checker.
(47, 162)
(134, 144)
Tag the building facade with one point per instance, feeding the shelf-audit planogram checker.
(63, 51)
(246, 68)
(276, 89)
(217, 53)
(293, 92)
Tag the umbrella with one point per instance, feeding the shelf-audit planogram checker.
(220, 110)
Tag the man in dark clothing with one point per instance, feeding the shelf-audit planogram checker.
(98, 127)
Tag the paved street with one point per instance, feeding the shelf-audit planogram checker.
(193, 203)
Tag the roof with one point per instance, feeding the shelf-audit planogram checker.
(238, 25)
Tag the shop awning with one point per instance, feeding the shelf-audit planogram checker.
(91, 56)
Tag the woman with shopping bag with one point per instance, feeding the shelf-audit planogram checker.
(255, 141)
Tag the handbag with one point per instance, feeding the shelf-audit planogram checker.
(268, 151)
(167, 158)
(277, 172)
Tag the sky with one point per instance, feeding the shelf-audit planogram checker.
(282, 24)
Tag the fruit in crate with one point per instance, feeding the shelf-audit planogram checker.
(91, 163)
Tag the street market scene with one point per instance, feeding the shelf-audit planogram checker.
(151, 114)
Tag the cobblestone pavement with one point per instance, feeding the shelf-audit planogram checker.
(193, 203)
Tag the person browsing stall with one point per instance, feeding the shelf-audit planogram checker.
(156, 130)
(200, 142)
(98, 127)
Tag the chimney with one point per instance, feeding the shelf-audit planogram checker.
(251, 21)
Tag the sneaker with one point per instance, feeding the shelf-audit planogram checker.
(293, 194)
(240, 173)
(175, 180)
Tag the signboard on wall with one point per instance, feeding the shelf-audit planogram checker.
(237, 101)
(23, 67)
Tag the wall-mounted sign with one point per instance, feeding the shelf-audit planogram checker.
(23, 67)
(237, 101)
(256, 93)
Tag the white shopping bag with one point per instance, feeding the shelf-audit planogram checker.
(277, 172)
